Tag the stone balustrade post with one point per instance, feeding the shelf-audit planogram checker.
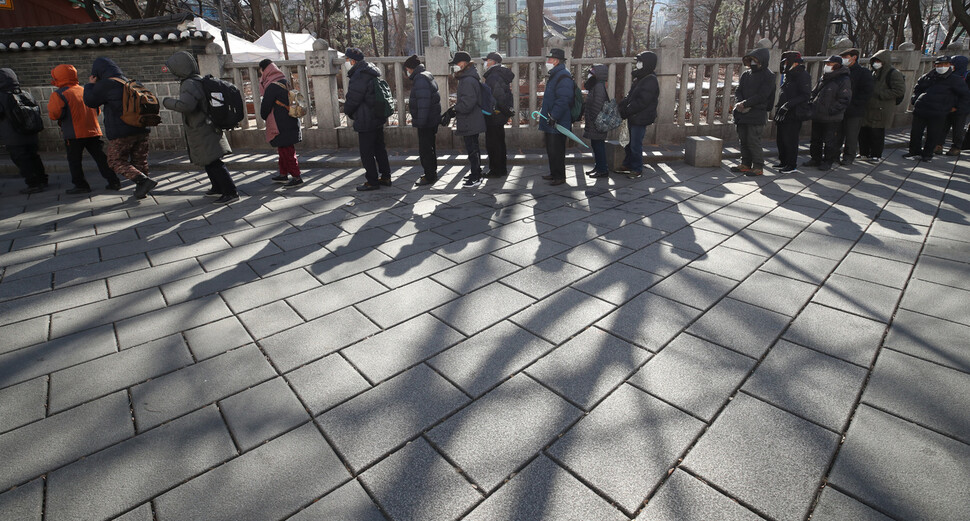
(670, 63)
(436, 58)
(212, 61)
(906, 60)
(322, 73)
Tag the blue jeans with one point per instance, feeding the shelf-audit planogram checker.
(634, 151)
(599, 155)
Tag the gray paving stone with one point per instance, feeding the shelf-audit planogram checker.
(859, 297)
(15, 310)
(809, 384)
(177, 393)
(573, 234)
(262, 412)
(216, 338)
(335, 295)
(943, 271)
(765, 457)
(924, 297)
(347, 502)
(24, 255)
(696, 288)
(666, 221)
(476, 273)
(317, 338)
(930, 338)
(897, 250)
(837, 333)
(298, 258)
(172, 319)
(10, 289)
(306, 237)
(142, 513)
(616, 283)
(372, 424)
(843, 229)
(726, 262)
(836, 506)
(759, 243)
(685, 498)
(40, 359)
(740, 326)
(595, 254)
(207, 284)
(875, 269)
(694, 240)
(187, 251)
(634, 235)
(827, 246)
(545, 317)
(482, 308)
(659, 258)
(801, 266)
(258, 235)
(484, 360)
(125, 475)
(154, 276)
(470, 247)
(52, 264)
(326, 382)
(23, 403)
(518, 231)
(545, 277)
(269, 289)
(24, 503)
(332, 269)
(403, 247)
(105, 312)
(270, 319)
(554, 495)
(530, 251)
(100, 270)
(44, 445)
(238, 254)
(649, 320)
(500, 432)
(626, 446)
(946, 249)
(125, 249)
(781, 294)
(721, 223)
(408, 301)
(899, 468)
(588, 367)
(417, 483)
(562, 215)
(409, 269)
(394, 350)
(26, 333)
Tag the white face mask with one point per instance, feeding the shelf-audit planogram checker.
(348, 66)
(942, 70)
(877, 65)
(549, 66)
(828, 68)
(456, 69)
(639, 65)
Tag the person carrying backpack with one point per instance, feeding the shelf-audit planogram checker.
(754, 98)
(595, 85)
(936, 94)
(499, 80)
(792, 107)
(957, 120)
(889, 88)
(20, 143)
(468, 113)
(425, 107)
(639, 109)
(282, 130)
(862, 85)
(127, 144)
(369, 120)
(557, 103)
(830, 98)
(206, 143)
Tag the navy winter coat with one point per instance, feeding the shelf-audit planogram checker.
(109, 93)
(796, 90)
(362, 98)
(596, 97)
(639, 107)
(935, 94)
(424, 104)
(831, 96)
(756, 89)
(499, 79)
(557, 100)
(468, 104)
(8, 135)
(862, 87)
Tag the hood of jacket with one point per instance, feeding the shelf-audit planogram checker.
(182, 65)
(602, 72)
(841, 71)
(649, 60)
(65, 75)
(503, 72)
(760, 54)
(365, 67)
(960, 65)
(471, 72)
(8, 80)
(103, 68)
(885, 56)
(417, 70)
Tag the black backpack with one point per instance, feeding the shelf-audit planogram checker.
(224, 103)
(24, 114)
(487, 100)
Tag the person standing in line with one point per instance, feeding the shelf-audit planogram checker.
(936, 94)
(127, 145)
(957, 121)
(21, 147)
(361, 107)
(796, 90)
(889, 85)
(557, 101)
(830, 98)
(282, 130)
(468, 113)
(424, 105)
(755, 96)
(80, 128)
(862, 85)
(207, 144)
(499, 80)
(596, 97)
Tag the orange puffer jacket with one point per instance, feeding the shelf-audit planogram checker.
(67, 107)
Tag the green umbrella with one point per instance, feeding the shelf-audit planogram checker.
(562, 130)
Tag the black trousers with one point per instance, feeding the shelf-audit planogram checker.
(373, 154)
(787, 141)
(934, 135)
(556, 153)
(872, 141)
(956, 121)
(95, 147)
(474, 156)
(220, 178)
(28, 162)
(825, 141)
(849, 136)
(427, 152)
(495, 147)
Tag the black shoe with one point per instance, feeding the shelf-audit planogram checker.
(846, 162)
(926, 159)
(367, 187)
(145, 186)
(213, 193)
(557, 182)
(754, 172)
(471, 182)
(548, 177)
(777, 165)
(825, 166)
(633, 175)
(592, 173)
(812, 162)
(114, 187)
(77, 191)
(32, 189)
(280, 178)
(740, 169)
(493, 174)
(425, 180)
(296, 181)
(622, 170)
(226, 199)
(384, 181)
(597, 175)
(914, 157)
(788, 170)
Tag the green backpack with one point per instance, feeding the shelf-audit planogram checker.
(385, 100)
(579, 104)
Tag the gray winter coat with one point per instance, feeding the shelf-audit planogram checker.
(8, 134)
(756, 88)
(205, 142)
(595, 98)
(831, 96)
(468, 107)
(888, 84)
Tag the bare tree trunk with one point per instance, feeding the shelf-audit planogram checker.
(387, 29)
(582, 25)
(256, 6)
(370, 23)
(402, 20)
(535, 30)
(689, 30)
(816, 18)
(960, 12)
(916, 22)
(646, 35)
(742, 36)
(711, 23)
(612, 37)
(631, 37)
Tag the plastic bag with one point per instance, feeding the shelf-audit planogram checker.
(624, 135)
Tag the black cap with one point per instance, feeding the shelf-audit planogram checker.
(460, 56)
(412, 62)
(792, 57)
(494, 56)
(558, 54)
(942, 59)
(354, 54)
(834, 59)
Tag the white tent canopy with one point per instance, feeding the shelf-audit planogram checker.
(269, 45)
(298, 44)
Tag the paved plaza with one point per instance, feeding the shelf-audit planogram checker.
(686, 346)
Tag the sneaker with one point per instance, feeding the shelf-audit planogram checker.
(597, 175)
(938, 149)
(926, 159)
(634, 175)
(811, 162)
(870, 159)
(226, 199)
(953, 151)
(740, 169)
(32, 189)
(367, 187)
(114, 187)
(788, 170)
(914, 157)
(471, 183)
(622, 170)
(384, 181)
(592, 172)
(425, 180)
(77, 190)
(145, 186)
(754, 172)
(213, 193)
(280, 178)
(296, 181)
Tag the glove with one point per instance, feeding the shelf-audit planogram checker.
(446, 117)
(552, 122)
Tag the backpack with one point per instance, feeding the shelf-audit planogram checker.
(487, 100)
(24, 113)
(899, 99)
(224, 103)
(385, 100)
(139, 107)
(296, 105)
(579, 104)
(608, 118)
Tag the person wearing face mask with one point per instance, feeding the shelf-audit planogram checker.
(831, 96)
(889, 85)
(468, 113)
(282, 130)
(862, 85)
(639, 109)
(499, 80)
(424, 105)
(595, 85)
(936, 94)
(755, 96)
(361, 107)
(796, 90)
(556, 107)
(957, 121)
